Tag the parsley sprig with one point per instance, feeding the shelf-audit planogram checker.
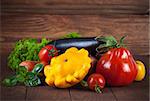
(23, 76)
(25, 49)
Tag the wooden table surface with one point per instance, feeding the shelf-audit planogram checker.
(54, 18)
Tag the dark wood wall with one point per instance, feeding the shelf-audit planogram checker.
(54, 18)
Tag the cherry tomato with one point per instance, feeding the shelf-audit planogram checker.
(117, 66)
(47, 52)
(96, 82)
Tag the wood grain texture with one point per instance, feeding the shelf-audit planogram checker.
(17, 93)
(76, 7)
(18, 26)
(87, 95)
(42, 2)
(46, 93)
(138, 91)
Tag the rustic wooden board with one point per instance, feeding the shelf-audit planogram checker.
(135, 92)
(17, 93)
(87, 95)
(47, 94)
(44, 2)
(76, 7)
(18, 26)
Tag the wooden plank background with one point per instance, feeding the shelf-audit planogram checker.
(17, 26)
(55, 18)
(76, 7)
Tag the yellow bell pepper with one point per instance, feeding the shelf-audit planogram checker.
(141, 71)
(68, 68)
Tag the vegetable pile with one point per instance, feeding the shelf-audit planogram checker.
(91, 62)
(26, 49)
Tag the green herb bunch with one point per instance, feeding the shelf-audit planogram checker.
(72, 35)
(25, 49)
(23, 76)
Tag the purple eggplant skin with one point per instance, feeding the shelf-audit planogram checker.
(88, 43)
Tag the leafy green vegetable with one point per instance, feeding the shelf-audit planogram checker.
(20, 78)
(10, 81)
(26, 49)
(72, 35)
(25, 77)
(32, 79)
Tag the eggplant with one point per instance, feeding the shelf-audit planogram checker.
(88, 43)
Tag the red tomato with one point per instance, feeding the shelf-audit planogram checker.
(28, 64)
(47, 52)
(96, 82)
(117, 66)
